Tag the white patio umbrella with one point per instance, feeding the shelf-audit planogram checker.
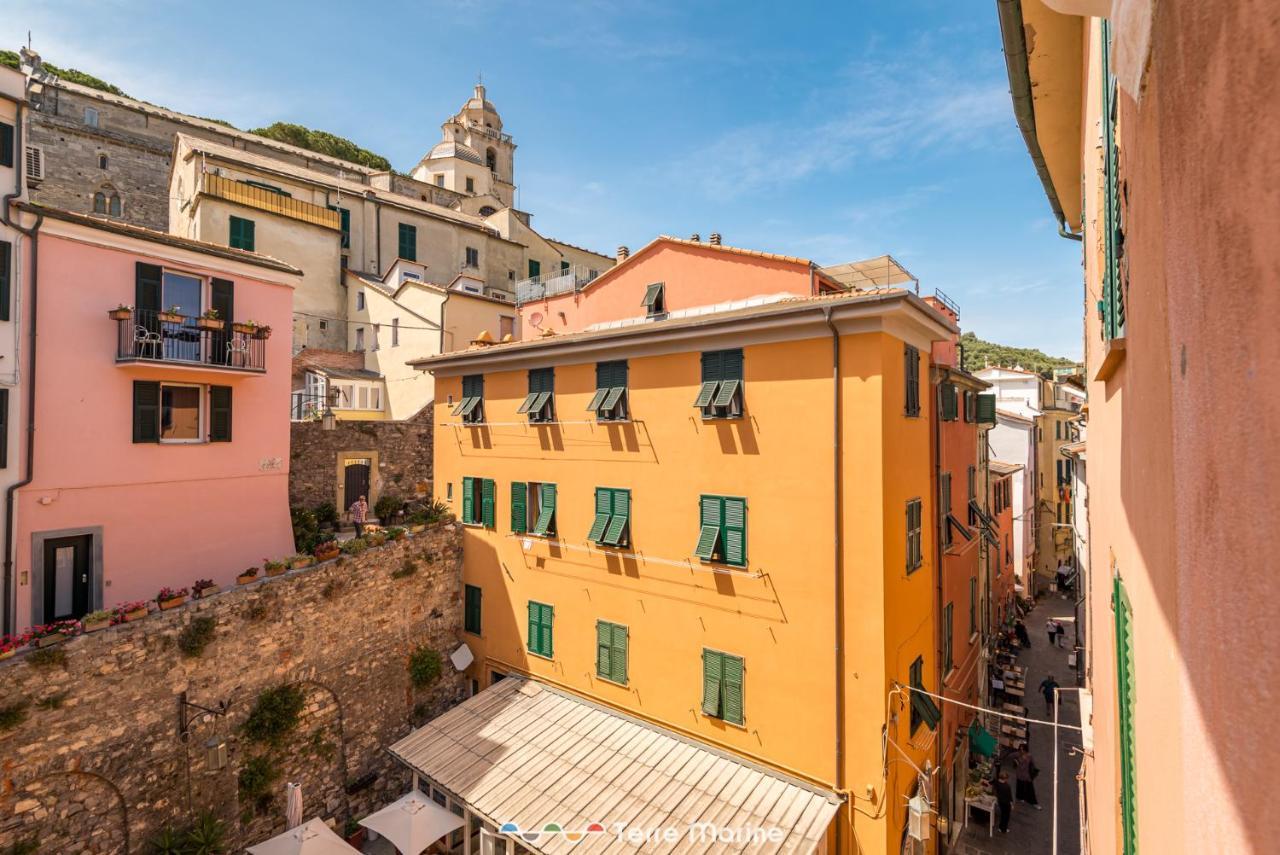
(313, 837)
(293, 806)
(413, 823)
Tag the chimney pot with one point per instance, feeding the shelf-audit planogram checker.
(715, 238)
(695, 237)
(623, 252)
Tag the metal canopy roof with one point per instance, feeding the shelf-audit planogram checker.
(523, 753)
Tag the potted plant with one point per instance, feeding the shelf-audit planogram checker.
(171, 315)
(299, 561)
(49, 634)
(354, 546)
(396, 533)
(211, 320)
(326, 551)
(204, 588)
(249, 327)
(247, 575)
(377, 537)
(9, 644)
(121, 313)
(129, 612)
(263, 332)
(171, 598)
(94, 621)
(274, 568)
(354, 833)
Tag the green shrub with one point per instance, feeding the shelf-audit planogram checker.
(387, 506)
(257, 778)
(322, 142)
(195, 636)
(354, 546)
(274, 715)
(306, 529)
(13, 714)
(326, 513)
(25, 846)
(207, 837)
(47, 657)
(168, 842)
(424, 666)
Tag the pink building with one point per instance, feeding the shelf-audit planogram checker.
(161, 445)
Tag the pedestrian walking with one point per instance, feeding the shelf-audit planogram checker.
(1026, 771)
(1004, 800)
(1051, 627)
(359, 512)
(1048, 687)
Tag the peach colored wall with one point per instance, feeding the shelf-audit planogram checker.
(694, 276)
(170, 513)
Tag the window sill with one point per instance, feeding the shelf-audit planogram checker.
(1111, 360)
(737, 418)
(622, 421)
(611, 682)
(740, 725)
(542, 656)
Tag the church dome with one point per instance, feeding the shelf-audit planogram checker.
(453, 148)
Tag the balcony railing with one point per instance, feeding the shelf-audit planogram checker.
(150, 336)
(550, 284)
(266, 200)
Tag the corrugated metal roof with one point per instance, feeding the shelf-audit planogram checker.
(522, 752)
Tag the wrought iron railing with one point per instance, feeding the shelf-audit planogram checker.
(556, 282)
(307, 406)
(153, 336)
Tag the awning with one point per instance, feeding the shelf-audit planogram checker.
(413, 823)
(313, 837)
(562, 772)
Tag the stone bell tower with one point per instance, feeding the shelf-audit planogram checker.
(473, 156)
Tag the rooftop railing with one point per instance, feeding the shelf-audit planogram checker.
(562, 281)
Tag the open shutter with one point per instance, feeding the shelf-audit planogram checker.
(547, 509)
(735, 531)
(712, 671)
(146, 411)
(1126, 703)
(535, 622)
(948, 393)
(706, 393)
(618, 654)
(468, 500)
(519, 511)
(986, 407)
(598, 399)
(146, 291)
(220, 414)
(488, 501)
(604, 506)
(621, 509)
(651, 295)
(6, 264)
(732, 674)
(222, 298)
(710, 516)
(4, 428)
(548, 614)
(604, 642)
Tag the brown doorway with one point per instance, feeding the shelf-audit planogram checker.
(68, 569)
(355, 480)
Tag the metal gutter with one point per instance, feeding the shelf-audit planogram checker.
(1014, 39)
(837, 485)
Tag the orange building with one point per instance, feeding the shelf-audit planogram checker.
(716, 524)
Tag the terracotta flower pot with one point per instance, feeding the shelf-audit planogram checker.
(173, 603)
(246, 578)
(357, 839)
(276, 571)
(245, 329)
(299, 563)
(327, 555)
(169, 318)
(6, 654)
(211, 324)
(136, 614)
(207, 592)
(50, 640)
(96, 625)
(120, 314)
(262, 332)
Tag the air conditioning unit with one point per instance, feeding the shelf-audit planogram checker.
(918, 818)
(35, 163)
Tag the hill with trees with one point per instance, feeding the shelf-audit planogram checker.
(979, 354)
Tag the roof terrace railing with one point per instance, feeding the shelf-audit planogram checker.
(563, 281)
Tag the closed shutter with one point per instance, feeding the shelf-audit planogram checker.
(621, 514)
(471, 613)
(146, 291)
(546, 616)
(732, 675)
(242, 234)
(220, 414)
(618, 654)
(6, 144)
(408, 242)
(6, 264)
(604, 650)
(4, 428)
(735, 531)
(948, 391)
(1126, 703)
(986, 408)
(146, 411)
(948, 636)
(468, 500)
(487, 502)
(911, 380)
(519, 510)
(534, 639)
(604, 505)
(712, 677)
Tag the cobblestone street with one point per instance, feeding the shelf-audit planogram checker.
(1031, 830)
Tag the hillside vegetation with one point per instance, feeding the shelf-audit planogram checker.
(322, 142)
(979, 354)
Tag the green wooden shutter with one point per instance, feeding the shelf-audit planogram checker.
(621, 514)
(535, 268)
(472, 611)
(949, 407)
(519, 510)
(604, 505)
(220, 414)
(712, 678)
(732, 687)
(548, 616)
(986, 407)
(735, 532)
(948, 637)
(618, 654)
(731, 364)
(6, 263)
(146, 289)
(488, 500)
(547, 510)
(651, 295)
(710, 520)
(468, 500)
(533, 639)
(146, 411)
(1126, 703)
(241, 234)
(604, 644)
(408, 242)
(1113, 304)
(6, 144)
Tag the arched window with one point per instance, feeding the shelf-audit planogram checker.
(487, 211)
(115, 204)
(102, 161)
(99, 202)
(107, 201)
(491, 160)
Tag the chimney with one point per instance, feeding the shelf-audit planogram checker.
(715, 238)
(623, 252)
(695, 237)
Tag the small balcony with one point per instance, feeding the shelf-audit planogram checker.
(266, 200)
(561, 281)
(173, 339)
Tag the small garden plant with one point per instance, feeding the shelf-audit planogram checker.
(425, 666)
(195, 636)
(274, 715)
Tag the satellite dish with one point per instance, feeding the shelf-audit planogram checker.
(462, 657)
(535, 320)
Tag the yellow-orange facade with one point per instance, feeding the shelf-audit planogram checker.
(824, 613)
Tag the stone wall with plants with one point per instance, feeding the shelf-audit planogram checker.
(301, 677)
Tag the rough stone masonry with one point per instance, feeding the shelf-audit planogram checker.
(96, 764)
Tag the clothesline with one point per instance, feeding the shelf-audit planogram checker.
(988, 709)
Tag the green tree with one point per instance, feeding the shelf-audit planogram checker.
(979, 354)
(322, 142)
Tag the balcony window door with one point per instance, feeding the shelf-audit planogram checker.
(179, 413)
(183, 293)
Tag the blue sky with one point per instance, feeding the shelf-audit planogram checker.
(829, 130)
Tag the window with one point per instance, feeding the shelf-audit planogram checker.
(1126, 705)
(471, 185)
(539, 404)
(985, 408)
(364, 397)
(535, 268)
(970, 406)
(564, 266)
(612, 523)
(375, 397)
(944, 507)
(324, 325)
(915, 555)
(344, 218)
(471, 610)
(911, 381)
(655, 300)
(947, 401)
(440, 180)
(478, 500)
(91, 117)
(395, 332)
(722, 535)
(359, 338)
(6, 266)
(722, 677)
(948, 634)
(541, 616)
(471, 407)
(377, 328)
(973, 605)
(6, 144)
(720, 395)
(972, 495)
(487, 210)
(533, 508)
(611, 652)
(408, 242)
(174, 413)
(923, 709)
(610, 400)
(491, 159)
(241, 234)
(179, 413)
(4, 428)
(473, 257)
(506, 327)
(102, 161)
(1111, 308)
(360, 304)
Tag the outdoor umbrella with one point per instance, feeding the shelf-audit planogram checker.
(311, 838)
(413, 823)
(293, 806)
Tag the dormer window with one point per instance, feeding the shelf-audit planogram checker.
(539, 404)
(655, 300)
(720, 395)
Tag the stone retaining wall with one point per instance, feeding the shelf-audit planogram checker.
(97, 764)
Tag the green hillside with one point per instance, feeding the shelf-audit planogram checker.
(979, 354)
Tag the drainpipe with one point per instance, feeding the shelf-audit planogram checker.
(10, 590)
(837, 484)
(938, 528)
(447, 294)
